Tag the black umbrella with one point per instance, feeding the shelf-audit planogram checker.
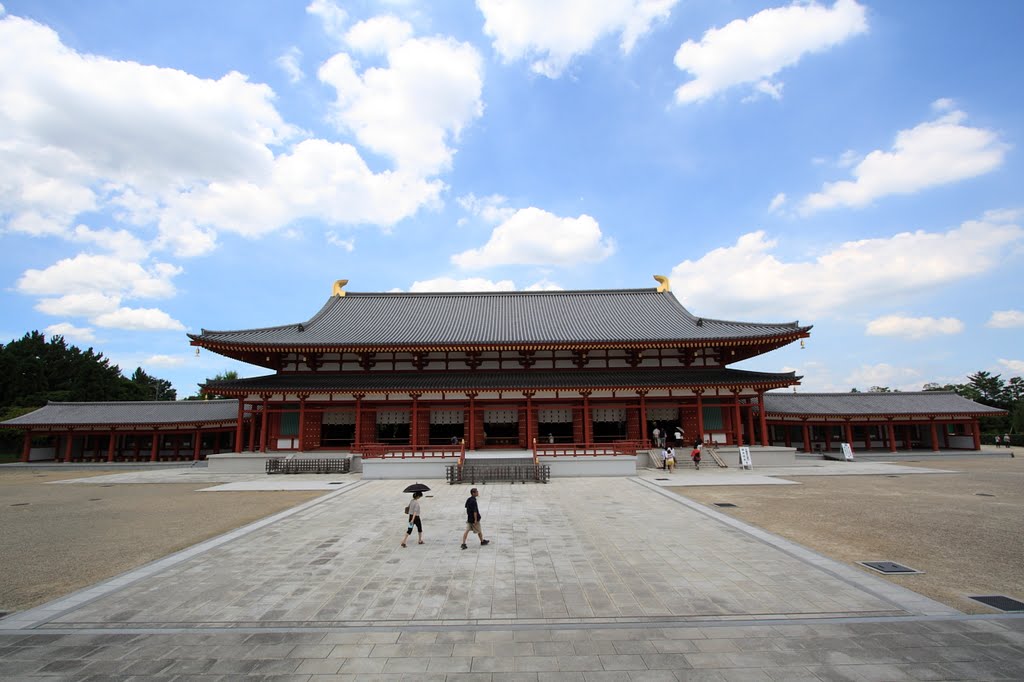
(416, 488)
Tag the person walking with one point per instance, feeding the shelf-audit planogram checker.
(657, 436)
(695, 456)
(473, 519)
(414, 518)
(670, 459)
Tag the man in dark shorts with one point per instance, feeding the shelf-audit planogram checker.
(473, 519)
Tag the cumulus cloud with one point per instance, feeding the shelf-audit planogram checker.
(415, 108)
(1006, 319)
(100, 274)
(550, 33)
(87, 304)
(138, 319)
(331, 16)
(754, 50)
(930, 154)
(913, 327)
(1015, 366)
(778, 201)
(491, 209)
(164, 361)
(378, 35)
(883, 374)
(535, 237)
(70, 332)
(289, 62)
(750, 281)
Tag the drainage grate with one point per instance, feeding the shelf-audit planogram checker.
(984, 494)
(661, 479)
(888, 567)
(20, 504)
(724, 504)
(1002, 603)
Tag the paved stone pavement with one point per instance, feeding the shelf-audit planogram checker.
(585, 579)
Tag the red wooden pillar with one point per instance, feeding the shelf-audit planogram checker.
(807, 437)
(26, 446)
(700, 415)
(935, 437)
(643, 417)
(763, 418)
(358, 440)
(197, 444)
(302, 423)
(945, 437)
(252, 428)
(238, 425)
(787, 435)
(892, 436)
(750, 424)
(263, 423)
(67, 447)
(848, 432)
(976, 430)
(110, 446)
(736, 422)
(867, 436)
(177, 445)
(414, 422)
(154, 450)
(588, 428)
(531, 432)
(827, 428)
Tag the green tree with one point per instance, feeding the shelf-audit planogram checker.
(152, 387)
(226, 375)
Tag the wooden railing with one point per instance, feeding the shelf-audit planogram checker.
(622, 447)
(377, 451)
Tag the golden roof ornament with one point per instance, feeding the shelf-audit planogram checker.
(339, 287)
(663, 284)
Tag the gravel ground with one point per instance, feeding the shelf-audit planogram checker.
(962, 529)
(55, 539)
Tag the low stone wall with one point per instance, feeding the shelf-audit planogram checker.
(596, 465)
(760, 456)
(409, 468)
(256, 462)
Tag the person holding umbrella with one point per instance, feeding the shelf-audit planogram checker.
(413, 510)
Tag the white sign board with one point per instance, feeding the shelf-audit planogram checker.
(847, 452)
(745, 462)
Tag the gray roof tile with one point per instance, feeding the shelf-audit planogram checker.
(863, 404)
(130, 413)
(495, 318)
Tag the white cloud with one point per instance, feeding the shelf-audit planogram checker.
(120, 243)
(932, 153)
(468, 284)
(882, 374)
(913, 327)
(1016, 366)
(535, 237)
(88, 304)
(753, 50)
(491, 208)
(138, 319)
(164, 361)
(552, 32)
(411, 110)
(777, 202)
(100, 274)
(290, 63)
(335, 239)
(331, 16)
(378, 35)
(478, 284)
(70, 332)
(749, 281)
(319, 179)
(1006, 319)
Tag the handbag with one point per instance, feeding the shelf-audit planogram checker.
(407, 510)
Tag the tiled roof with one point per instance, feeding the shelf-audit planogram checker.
(382, 382)
(495, 318)
(864, 404)
(153, 413)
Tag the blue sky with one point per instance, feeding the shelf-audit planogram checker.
(167, 167)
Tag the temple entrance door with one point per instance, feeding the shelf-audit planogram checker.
(337, 429)
(609, 424)
(554, 425)
(446, 425)
(501, 428)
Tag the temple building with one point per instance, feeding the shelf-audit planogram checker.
(498, 370)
